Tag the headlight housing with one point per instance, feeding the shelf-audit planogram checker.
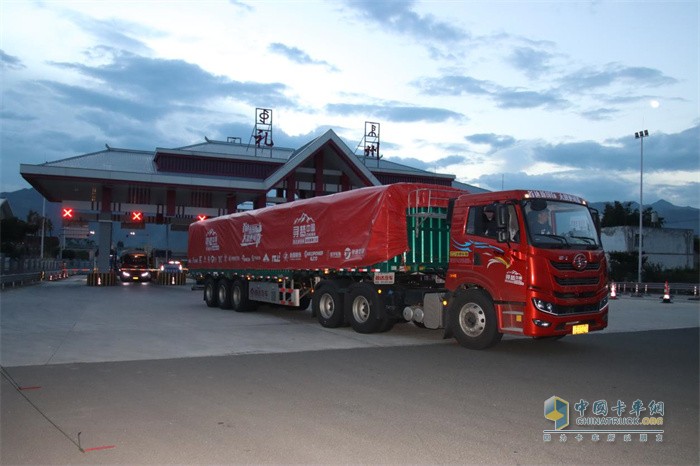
(544, 306)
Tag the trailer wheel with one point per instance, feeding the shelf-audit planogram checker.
(239, 297)
(211, 297)
(224, 293)
(327, 305)
(473, 320)
(365, 309)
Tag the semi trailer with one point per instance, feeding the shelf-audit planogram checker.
(521, 262)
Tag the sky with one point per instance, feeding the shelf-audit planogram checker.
(502, 94)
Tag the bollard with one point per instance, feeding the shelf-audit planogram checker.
(646, 289)
(667, 293)
(613, 291)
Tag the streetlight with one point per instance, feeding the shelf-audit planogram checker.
(640, 135)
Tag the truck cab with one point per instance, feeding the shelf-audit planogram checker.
(541, 272)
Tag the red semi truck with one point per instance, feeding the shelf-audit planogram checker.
(476, 265)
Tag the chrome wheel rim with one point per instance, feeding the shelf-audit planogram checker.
(360, 309)
(472, 320)
(326, 306)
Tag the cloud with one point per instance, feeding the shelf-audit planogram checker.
(512, 98)
(454, 85)
(662, 152)
(496, 141)
(298, 56)
(136, 78)
(599, 114)
(532, 62)
(589, 169)
(395, 113)
(398, 16)
(505, 97)
(10, 62)
(433, 165)
(613, 73)
(116, 32)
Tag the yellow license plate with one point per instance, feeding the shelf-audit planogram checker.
(579, 329)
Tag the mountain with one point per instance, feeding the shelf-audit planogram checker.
(24, 200)
(673, 215)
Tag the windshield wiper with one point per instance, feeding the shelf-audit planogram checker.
(584, 238)
(557, 237)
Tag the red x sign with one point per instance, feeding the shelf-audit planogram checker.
(67, 212)
(136, 216)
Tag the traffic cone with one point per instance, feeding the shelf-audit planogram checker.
(667, 293)
(613, 291)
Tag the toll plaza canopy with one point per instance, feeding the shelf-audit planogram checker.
(180, 185)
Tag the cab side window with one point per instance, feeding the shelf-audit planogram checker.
(481, 221)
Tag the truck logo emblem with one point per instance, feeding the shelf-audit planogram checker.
(580, 262)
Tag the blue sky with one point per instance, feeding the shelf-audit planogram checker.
(511, 94)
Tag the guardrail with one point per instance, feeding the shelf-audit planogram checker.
(685, 289)
(20, 279)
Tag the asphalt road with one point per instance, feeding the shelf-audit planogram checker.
(149, 375)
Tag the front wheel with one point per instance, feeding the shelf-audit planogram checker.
(473, 320)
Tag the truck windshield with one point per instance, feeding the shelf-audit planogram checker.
(559, 225)
(134, 260)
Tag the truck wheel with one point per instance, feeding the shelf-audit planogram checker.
(328, 306)
(211, 297)
(365, 309)
(473, 320)
(239, 297)
(224, 293)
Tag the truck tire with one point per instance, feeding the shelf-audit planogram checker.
(211, 297)
(223, 289)
(473, 320)
(239, 297)
(327, 305)
(365, 313)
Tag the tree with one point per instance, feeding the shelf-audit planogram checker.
(14, 232)
(619, 214)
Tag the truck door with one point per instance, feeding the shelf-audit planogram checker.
(497, 266)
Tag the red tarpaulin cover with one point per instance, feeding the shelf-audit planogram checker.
(351, 229)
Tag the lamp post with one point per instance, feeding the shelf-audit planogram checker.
(640, 135)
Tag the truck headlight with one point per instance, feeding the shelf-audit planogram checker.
(603, 303)
(543, 306)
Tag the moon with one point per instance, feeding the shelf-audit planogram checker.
(654, 103)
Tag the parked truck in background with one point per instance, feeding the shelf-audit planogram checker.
(376, 256)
